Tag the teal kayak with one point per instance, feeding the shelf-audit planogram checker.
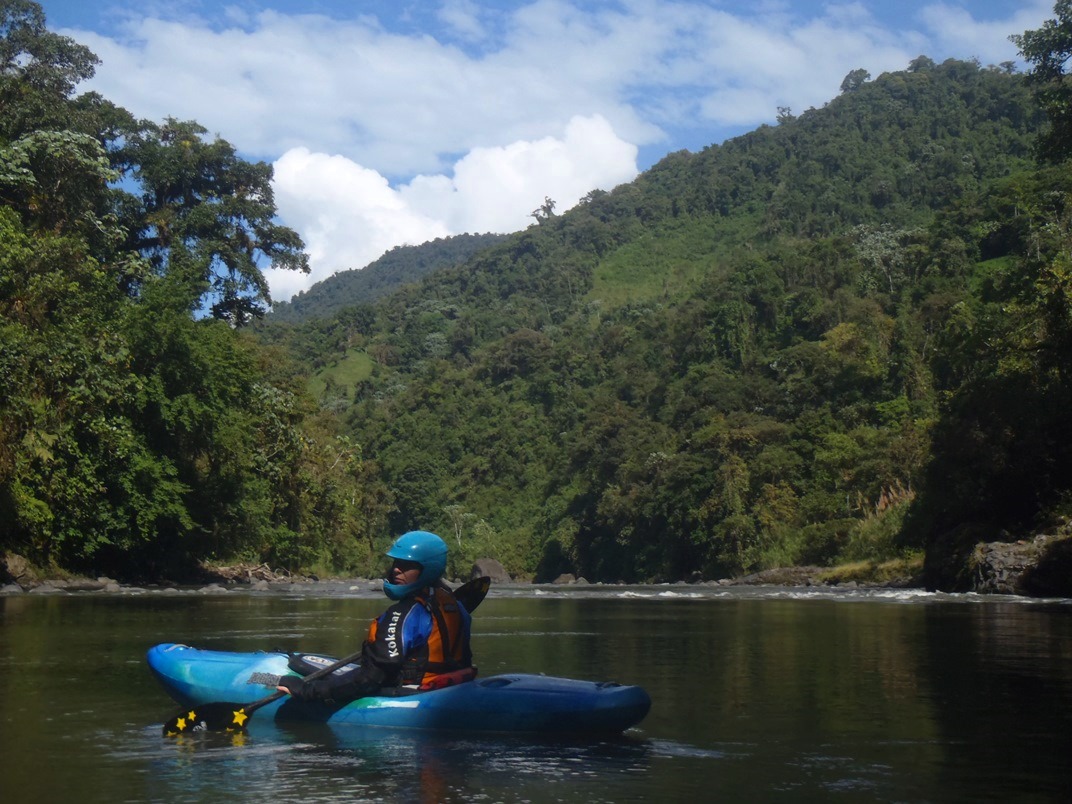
(501, 703)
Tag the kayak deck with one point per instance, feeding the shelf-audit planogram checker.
(506, 703)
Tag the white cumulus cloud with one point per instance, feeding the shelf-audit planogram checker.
(349, 215)
(495, 189)
(956, 30)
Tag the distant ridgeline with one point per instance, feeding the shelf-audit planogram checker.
(399, 266)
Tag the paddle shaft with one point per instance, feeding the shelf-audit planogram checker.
(323, 671)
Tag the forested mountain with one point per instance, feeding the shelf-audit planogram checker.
(747, 357)
(842, 337)
(399, 266)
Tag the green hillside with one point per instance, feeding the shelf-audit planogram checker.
(742, 359)
(399, 266)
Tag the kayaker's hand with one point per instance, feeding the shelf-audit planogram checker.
(293, 685)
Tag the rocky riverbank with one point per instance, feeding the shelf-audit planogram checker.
(973, 560)
(1039, 567)
(17, 576)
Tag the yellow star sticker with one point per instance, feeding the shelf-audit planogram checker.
(181, 723)
(240, 717)
(192, 716)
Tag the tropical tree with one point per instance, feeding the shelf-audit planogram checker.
(137, 435)
(39, 71)
(855, 79)
(1048, 49)
(204, 210)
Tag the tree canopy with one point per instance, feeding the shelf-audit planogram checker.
(1048, 50)
(141, 431)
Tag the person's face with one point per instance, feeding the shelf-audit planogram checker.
(404, 572)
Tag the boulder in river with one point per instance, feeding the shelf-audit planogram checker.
(1040, 567)
(490, 567)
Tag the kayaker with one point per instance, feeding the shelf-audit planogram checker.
(420, 642)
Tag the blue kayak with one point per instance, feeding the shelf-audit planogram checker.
(502, 703)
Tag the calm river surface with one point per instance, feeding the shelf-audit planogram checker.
(759, 694)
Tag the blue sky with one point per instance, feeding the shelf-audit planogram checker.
(398, 121)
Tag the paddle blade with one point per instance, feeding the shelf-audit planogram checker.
(472, 593)
(217, 716)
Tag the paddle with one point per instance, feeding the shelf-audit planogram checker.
(232, 716)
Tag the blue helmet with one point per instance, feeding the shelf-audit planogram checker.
(426, 549)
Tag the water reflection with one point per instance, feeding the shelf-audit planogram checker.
(1001, 697)
(327, 763)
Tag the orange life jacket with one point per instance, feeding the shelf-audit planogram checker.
(445, 658)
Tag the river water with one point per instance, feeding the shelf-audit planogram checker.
(759, 694)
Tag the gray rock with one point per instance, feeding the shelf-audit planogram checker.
(47, 588)
(780, 576)
(565, 578)
(79, 585)
(15, 568)
(1040, 566)
(11, 589)
(490, 567)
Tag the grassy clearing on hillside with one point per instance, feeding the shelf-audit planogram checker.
(355, 367)
(667, 265)
(650, 269)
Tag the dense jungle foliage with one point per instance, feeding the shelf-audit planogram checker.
(136, 437)
(767, 353)
(841, 337)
